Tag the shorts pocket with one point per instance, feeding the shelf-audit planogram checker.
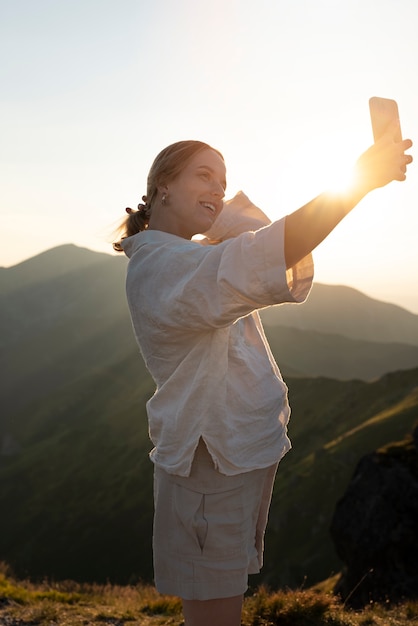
(188, 527)
(226, 524)
(211, 525)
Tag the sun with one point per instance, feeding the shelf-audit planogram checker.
(290, 173)
(332, 162)
(341, 178)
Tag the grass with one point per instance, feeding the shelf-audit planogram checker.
(23, 603)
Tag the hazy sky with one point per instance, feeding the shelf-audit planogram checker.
(92, 90)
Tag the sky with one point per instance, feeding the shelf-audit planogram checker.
(92, 90)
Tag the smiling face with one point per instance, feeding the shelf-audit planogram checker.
(194, 197)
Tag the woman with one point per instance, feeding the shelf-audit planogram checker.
(218, 418)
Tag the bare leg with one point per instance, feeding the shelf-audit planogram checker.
(219, 612)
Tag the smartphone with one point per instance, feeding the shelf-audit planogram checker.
(382, 112)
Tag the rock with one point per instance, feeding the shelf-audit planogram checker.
(375, 527)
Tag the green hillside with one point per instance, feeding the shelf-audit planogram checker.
(64, 313)
(311, 353)
(70, 319)
(75, 479)
(345, 311)
(333, 425)
(78, 495)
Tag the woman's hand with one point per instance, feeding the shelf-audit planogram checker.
(382, 163)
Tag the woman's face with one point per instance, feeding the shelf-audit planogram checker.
(194, 197)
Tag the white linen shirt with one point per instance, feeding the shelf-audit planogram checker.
(194, 314)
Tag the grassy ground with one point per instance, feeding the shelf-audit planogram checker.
(70, 604)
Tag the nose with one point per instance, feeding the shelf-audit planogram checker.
(218, 189)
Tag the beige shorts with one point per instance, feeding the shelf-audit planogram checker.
(209, 529)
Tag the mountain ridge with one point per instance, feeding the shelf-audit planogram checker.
(53, 262)
(342, 310)
(75, 438)
(335, 309)
(67, 313)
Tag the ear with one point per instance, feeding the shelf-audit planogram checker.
(162, 188)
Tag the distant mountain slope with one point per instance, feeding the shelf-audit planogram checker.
(75, 480)
(76, 492)
(333, 425)
(340, 310)
(70, 319)
(63, 314)
(53, 263)
(311, 353)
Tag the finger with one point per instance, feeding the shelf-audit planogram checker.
(406, 144)
(400, 175)
(407, 159)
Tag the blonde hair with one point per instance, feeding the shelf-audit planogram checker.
(167, 165)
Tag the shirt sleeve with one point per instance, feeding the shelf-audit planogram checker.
(216, 285)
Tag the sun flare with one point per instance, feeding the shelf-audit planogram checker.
(341, 178)
(332, 163)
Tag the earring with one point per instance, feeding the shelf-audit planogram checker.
(164, 198)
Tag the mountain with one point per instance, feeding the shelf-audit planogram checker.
(333, 424)
(339, 310)
(312, 353)
(76, 494)
(75, 479)
(76, 486)
(53, 263)
(342, 333)
(64, 312)
(60, 319)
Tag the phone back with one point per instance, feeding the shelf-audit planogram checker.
(382, 112)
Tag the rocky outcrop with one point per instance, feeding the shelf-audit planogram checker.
(375, 527)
